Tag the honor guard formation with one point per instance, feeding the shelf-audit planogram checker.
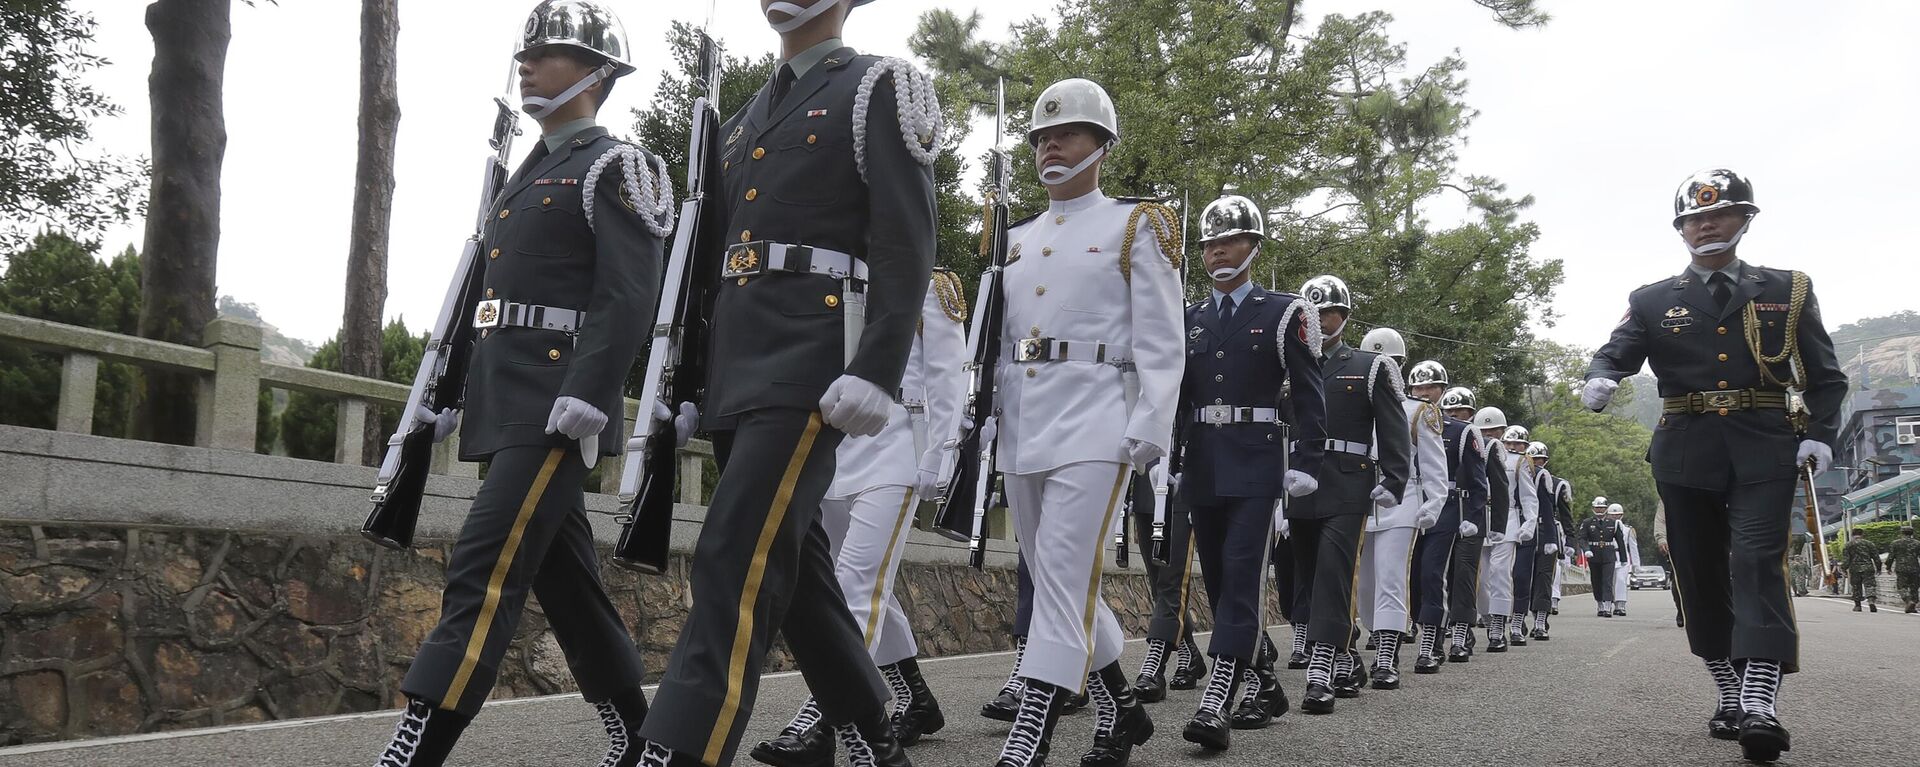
(801, 324)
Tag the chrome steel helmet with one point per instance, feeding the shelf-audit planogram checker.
(1328, 292)
(1385, 341)
(1537, 450)
(1599, 501)
(1075, 100)
(1516, 433)
(1713, 189)
(1457, 397)
(1231, 215)
(1490, 417)
(587, 25)
(1426, 372)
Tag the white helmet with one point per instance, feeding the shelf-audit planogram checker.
(1385, 341)
(1599, 501)
(1490, 417)
(1614, 508)
(1075, 100)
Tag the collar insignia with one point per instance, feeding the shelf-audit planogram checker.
(738, 130)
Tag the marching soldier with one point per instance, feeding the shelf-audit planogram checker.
(869, 509)
(1726, 339)
(1005, 706)
(1170, 630)
(1469, 597)
(1862, 558)
(1363, 395)
(1533, 576)
(1603, 540)
(1546, 565)
(1442, 581)
(827, 197)
(1388, 554)
(1244, 347)
(1629, 559)
(563, 282)
(1903, 557)
(1506, 536)
(1801, 572)
(1088, 384)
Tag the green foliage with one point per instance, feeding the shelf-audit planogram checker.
(58, 279)
(1598, 453)
(45, 110)
(308, 424)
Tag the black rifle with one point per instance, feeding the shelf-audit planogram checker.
(676, 364)
(440, 381)
(963, 512)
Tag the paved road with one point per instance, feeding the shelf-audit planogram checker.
(1621, 691)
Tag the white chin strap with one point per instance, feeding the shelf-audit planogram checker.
(538, 108)
(797, 16)
(1716, 248)
(1229, 272)
(1055, 175)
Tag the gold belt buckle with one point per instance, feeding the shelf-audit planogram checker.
(1722, 399)
(745, 260)
(487, 314)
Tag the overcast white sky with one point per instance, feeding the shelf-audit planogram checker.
(1599, 115)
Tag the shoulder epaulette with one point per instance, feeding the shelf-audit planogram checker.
(644, 186)
(921, 122)
(1164, 224)
(953, 300)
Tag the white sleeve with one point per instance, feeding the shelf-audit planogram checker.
(1529, 502)
(943, 351)
(1430, 450)
(1159, 343)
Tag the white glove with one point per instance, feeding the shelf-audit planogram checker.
(1382, 497)
(1280, 524)
(444, 423)
(926, 480)
(1468, 529)
(856, 406)
(1818, 452)
(989, 430)
(1298, 483)
(1141, 454)
(1552, 549)
(1588, 554)
(684, 424)
(1173, 484)
(1424, 522)
(575, 418)
(1526, 535)
(1598, 393)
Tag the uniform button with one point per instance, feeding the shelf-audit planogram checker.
(1349, 387)
(1059, 220)
(494, 254)
(1723, 357)
(742, 282)
(812, 138)
(832, 300)
(1722, 384)
(1363, 464)
(751, 194)
(1663, 420)
(483, 333)
(759, 152)
(746, 234)
(1218, 378)
(546, 201)
(1035, 332)
(1031, 372)
(553, 354)
(1723, 411)
(503, 214)
(1722, 330)
(726, 164)
(1219, 355)
(1269, 437)
(1039, 290)
(1047, 251)
(1676, 330)
(1769, 323)
(489, 292)
(1218, 401)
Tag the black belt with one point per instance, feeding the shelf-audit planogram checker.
(1724, 401)
(500, 313)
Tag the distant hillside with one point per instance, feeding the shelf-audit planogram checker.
(274, 347)
(1880, 352)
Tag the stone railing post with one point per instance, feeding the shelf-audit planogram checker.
(349, 430)
(692, 465)
(230, 400)
(78, 374)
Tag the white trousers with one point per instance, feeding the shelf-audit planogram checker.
(869, 535)
(1496, 578)
(1621, 573)
(1558, 570)
(1063, 517)
(1386, 564)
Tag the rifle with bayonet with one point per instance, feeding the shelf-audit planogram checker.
(676, 363)
(440, 381)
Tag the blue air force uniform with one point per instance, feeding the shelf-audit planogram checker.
(1433, 554)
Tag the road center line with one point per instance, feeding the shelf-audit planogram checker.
(1621, 645)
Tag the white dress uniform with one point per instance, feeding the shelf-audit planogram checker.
(1523, 518)
(868, 509)
(1112, 321)
(1386, 559)
(1623, 575)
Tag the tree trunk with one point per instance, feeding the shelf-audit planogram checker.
(183, 211)
(360, 328)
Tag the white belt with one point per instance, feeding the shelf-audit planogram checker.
(500, 313)
(1350, 448)
(1220, 415)
(747, 259)
(1053, 349)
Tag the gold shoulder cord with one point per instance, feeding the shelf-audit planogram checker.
(946, 285)
(1160, 218)
(1789, 344)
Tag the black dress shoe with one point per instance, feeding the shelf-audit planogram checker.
(1385, 679)
(1609, 613)
(1133, 728)
(1541, 634)
(922, 717)
(1251, 715)
(1497, 645)
(1317, 700)
(1458, 654)
(1426, 664)
(1762, 738)
(1297, 661)
(872, 743)
(1348, 686)
(1725, 724)
(1553, 611)
(1272, 696)
(1003, 707)
(1074, 703)
(1371, 644)
(1619, 612)
(1209, 730)
(1150, 688)
(1516, 640)
(811, 747)
(1188, 677)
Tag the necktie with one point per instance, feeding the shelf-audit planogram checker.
(782, 83)
(1721, 290)
(1226, 310)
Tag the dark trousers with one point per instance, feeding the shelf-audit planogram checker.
(1023, 598)
(1431, 556)
(527, 531)
(1600, 569)
(1543, 567)
(1463, 580)
(1324, 553)
(762, 564)
(1523, 582)
(1231, 537)
(1729, 554)
(1282, 560)
(1172, 609)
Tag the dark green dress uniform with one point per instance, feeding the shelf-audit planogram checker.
(790, 177)
(528, 526)
(1723, 454)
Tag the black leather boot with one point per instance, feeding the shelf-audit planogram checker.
(1151, 685)
(1266, 702)
(1209, 726)
(621, 716)
(870, 743)
(1191, 667)
(1113, 746)
(1318, 699)
(1763, 738)
(1003, 706)
(1725, 724)
(806, 742)
(1031, 736)
(423, 737)
(922, 714)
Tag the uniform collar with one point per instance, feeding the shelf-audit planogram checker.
(1239, 294)
(1077, 204)
(569, 130)
(804, 61)
(1731, 270)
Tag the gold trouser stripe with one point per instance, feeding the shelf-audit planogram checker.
(1100, 565)
(880, 579)
(1406, 587)
(1186, 585)
(750, 592)
(488, 606)
(1353, 589)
